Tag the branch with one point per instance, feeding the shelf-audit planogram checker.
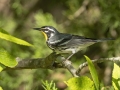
(46, 63)
(113, 59)
(67, 64)
(50, 62)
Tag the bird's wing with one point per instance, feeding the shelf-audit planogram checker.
(71, 40)
(80, 40)
(60, 40)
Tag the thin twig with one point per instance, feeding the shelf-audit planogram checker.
(113, 59)
(81, 9)
(78, 12)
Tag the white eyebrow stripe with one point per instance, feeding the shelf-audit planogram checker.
(50, 29)
(46, 31)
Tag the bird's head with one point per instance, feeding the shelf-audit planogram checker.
(48, 31)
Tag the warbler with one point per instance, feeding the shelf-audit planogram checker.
(66, 43)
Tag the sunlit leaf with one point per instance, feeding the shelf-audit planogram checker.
(6, 59)
(1, 67)
(93, 72)
(10, 38)
(1, 88)
(116, 77)
(80, 83)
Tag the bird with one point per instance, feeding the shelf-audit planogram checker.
(66, 43)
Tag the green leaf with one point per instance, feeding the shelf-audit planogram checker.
(93, 72)
(1, 67)
(6, 59)
(6, 36)
(116, 77)
(80, 83)
(1, 88)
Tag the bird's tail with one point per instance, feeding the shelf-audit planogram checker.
(103, 40)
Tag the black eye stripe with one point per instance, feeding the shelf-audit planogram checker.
(52, 31)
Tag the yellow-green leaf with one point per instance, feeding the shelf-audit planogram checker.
(116, 77)
(1, 67)
(80, 83)
(1, 88)
(10, 38)
(93, 72)
(6, 59)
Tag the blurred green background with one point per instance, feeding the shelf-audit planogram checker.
(90, 18)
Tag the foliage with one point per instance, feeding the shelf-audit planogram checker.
(80, 83)
(5, 58)
(93, 73)
(85, 83)
(13, 39)
(49, 86)
(1, 88)
(116, 77)
(43, 19)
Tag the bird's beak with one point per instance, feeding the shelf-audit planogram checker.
(37, 29)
